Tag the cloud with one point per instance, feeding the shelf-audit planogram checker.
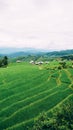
(41, 3)
(36, 23)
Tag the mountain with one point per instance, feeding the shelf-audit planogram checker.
(17, 52)
(60, 53)
(9, 50)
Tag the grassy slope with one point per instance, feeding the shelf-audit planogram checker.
(27, 90)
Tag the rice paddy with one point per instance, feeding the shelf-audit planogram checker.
(26, 91)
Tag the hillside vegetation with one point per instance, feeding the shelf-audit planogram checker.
(27, 90)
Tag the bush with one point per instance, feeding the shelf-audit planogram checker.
(59, 67)
(63, 64)
(61, 120)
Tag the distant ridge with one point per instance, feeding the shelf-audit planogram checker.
(16, 52)
(60, 53)
(9, 50)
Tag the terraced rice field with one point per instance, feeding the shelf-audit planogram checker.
(27, 90)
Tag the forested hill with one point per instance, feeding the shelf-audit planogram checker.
(43, 53)
(60, 53)
(36, 53)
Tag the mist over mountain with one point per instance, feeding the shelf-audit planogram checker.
(16, 52)
(9, 50)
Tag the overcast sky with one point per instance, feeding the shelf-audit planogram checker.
(46, 24)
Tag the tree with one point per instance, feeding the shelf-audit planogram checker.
(0, 63)
(5, 61)
(61, 120)
(63, 64)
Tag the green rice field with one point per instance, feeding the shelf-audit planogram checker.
(27, 90)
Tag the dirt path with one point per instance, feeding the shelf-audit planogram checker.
(58, 79)
(70, 78)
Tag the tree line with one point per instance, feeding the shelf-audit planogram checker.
(4, 61)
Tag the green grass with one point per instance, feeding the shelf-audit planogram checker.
(26, 91)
